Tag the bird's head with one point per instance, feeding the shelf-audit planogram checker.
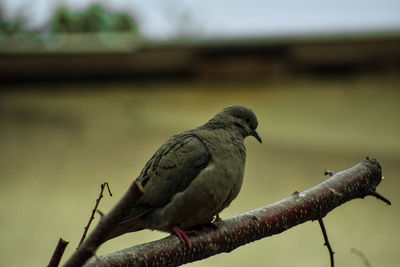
(242, 119)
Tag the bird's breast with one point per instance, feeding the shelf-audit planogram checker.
(215, 186)
(226, 168)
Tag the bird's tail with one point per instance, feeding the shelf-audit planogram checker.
(123, 228)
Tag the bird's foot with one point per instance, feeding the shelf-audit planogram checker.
(217, 218)
(209, 225)
(213, 223)
(183, 235)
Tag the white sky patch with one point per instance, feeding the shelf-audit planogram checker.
(163, 19)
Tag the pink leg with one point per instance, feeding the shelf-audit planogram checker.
(183, 235)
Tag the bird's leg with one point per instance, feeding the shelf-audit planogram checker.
(183, 235)
(212, 224)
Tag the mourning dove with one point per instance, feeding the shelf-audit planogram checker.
(193, 176)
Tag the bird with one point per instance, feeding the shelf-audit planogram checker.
(193, 176)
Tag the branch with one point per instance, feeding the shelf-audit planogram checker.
(88, 248)
(380, 197)
(324, 233)
(362, 256)
(312, 204)
(95, 209)
(58, 252)
(327, 244)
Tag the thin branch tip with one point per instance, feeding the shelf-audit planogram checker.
(103, 185)
(108, 188)
(361, 256)
(89, 245)
(100, 213)
(327, 244)
(380, 197)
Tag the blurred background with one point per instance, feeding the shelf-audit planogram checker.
(90, 89)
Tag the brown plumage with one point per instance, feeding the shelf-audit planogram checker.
(193, 176)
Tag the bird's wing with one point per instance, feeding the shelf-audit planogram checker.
(171, 169)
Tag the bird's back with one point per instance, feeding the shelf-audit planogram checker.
(194, 175)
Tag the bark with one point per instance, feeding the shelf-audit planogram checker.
(312, 204)
(58, 252)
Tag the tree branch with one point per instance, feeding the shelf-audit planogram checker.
(327, 244)
(95, 209)
(312, 204)
(88, 248)
(362, 257)
(58, 252)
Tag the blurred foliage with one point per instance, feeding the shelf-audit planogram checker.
(12, 29)
(9, 28)
(94, 19)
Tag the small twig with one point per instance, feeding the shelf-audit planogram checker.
(380, 197)
(327, 244)
(362, 256)
(107, 223)
(94, 210)
(108, 188)
(329, 173)
(58, 252)
(100, 213)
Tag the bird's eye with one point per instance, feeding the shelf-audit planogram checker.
(247, 120)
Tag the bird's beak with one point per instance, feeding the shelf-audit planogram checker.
(255, 134)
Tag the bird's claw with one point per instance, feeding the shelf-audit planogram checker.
(183, 235)
(212, 225)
